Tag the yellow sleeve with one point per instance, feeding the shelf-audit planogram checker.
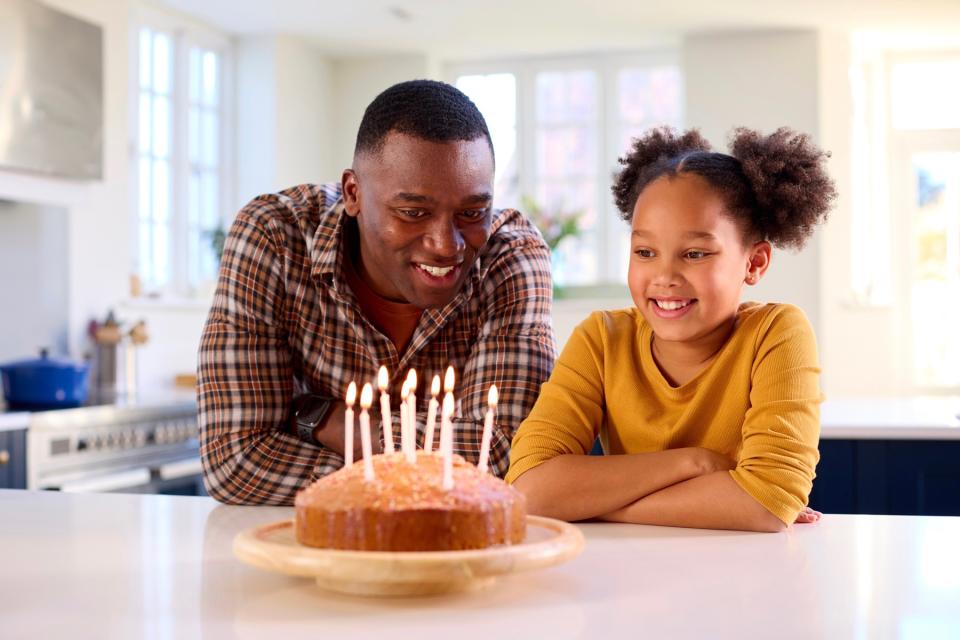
(782, 427)
(567, 416)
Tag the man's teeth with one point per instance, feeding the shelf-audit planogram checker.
(439, 272)
(672, 305)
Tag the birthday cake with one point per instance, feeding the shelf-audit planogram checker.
(406, 508)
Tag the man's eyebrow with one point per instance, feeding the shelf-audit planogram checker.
(411, 197)
(478, 198)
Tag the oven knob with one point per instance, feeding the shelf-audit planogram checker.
(82, 444)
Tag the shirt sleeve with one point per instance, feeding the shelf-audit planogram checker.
(515, 350)
(567, 417)
(245, 378)
(781, 429)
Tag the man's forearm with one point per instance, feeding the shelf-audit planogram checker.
(577, 487)
(712, 501)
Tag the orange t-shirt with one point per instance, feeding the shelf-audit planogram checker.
(396, 320)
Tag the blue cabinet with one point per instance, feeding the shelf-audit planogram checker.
(891, 477)
(13, 459)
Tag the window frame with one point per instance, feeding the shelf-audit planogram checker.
(184, 33)
(606, 66)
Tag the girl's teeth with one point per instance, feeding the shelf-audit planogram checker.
(671, 305)
(436, 271)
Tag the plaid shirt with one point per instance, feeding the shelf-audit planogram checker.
(284, 321)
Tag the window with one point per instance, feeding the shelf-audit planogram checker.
(180, 117)
(907, 206)
(558, 127)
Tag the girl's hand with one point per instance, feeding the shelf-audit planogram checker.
(808, 516)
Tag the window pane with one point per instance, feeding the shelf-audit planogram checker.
(648, 97)
(161, 254)
(162, 125)
(193, 209)
(496, 97)
(161, 191)
(565, 96)
(195, 73)
(567, 151)
(936, 268)
(926, 95)
(193, 134)
(146, 252)
(211, 80)
(162, 62)
(146, 189)
(146, 58)
(210, 138)
(210, 202)
(146, 112)
(575, 260)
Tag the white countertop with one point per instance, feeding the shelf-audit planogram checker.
(907, 418)
(123, 566)
(14, 420)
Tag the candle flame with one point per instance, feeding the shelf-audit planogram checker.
(448, 404)
(405, 389)
(448, 380)
(435, 386)
(351, 394)
(492, 396)
(382, 379)
(366, 396)
(412, 379)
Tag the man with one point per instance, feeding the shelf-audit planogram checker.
(405, 264)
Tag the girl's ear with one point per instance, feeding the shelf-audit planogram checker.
(758, 261)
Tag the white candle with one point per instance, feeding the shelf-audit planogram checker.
(432, 414)
(446, 440)
(492, 398)
(405, 420)
(348, 426)
(366, 399)
(411, 402)
(386, 420)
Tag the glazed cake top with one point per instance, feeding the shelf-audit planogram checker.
(401, 486)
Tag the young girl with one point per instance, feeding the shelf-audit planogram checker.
(707, 409)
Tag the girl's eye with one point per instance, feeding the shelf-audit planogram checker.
(644, 253)
(697, 255)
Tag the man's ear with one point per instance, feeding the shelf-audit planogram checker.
(350, 189)
(758, 262)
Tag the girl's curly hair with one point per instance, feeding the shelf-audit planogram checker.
(777, 185)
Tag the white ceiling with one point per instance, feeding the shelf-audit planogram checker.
(501, 28)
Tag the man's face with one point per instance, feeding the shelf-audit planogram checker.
(423, 210)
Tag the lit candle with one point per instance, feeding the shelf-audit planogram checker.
(348, 426)
(366, 399)
(446, 440)
(386, 419)
(404, 418)
(432, 414)
(411, 401)
(492, 397)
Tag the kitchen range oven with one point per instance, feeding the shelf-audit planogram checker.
(115, 448)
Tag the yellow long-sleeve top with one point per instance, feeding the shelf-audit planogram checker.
(757, 402)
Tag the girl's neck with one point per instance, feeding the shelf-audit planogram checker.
(682, 361)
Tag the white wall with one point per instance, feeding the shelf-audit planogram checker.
(355, 83)
(762, 80)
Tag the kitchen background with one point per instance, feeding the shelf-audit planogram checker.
(205, 105)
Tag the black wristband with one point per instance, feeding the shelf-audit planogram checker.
(309, 412)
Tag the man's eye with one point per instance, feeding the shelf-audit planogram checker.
(412, 213)
(644, 253)
(474, 214)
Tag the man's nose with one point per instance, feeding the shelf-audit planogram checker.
(444, 238)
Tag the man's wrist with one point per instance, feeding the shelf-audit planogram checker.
(310, 415)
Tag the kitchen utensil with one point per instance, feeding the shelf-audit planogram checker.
(44, 383)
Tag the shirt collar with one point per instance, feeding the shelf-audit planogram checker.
(326, 252)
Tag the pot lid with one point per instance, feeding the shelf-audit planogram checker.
(44, 363)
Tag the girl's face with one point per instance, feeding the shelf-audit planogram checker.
(689, 261)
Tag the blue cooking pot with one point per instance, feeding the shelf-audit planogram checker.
(44, 383)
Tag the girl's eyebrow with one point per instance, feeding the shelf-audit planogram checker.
(696, 235)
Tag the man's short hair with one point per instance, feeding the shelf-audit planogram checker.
(426, 109)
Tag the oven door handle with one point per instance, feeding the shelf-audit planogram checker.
(180, 469)
(110, 482)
